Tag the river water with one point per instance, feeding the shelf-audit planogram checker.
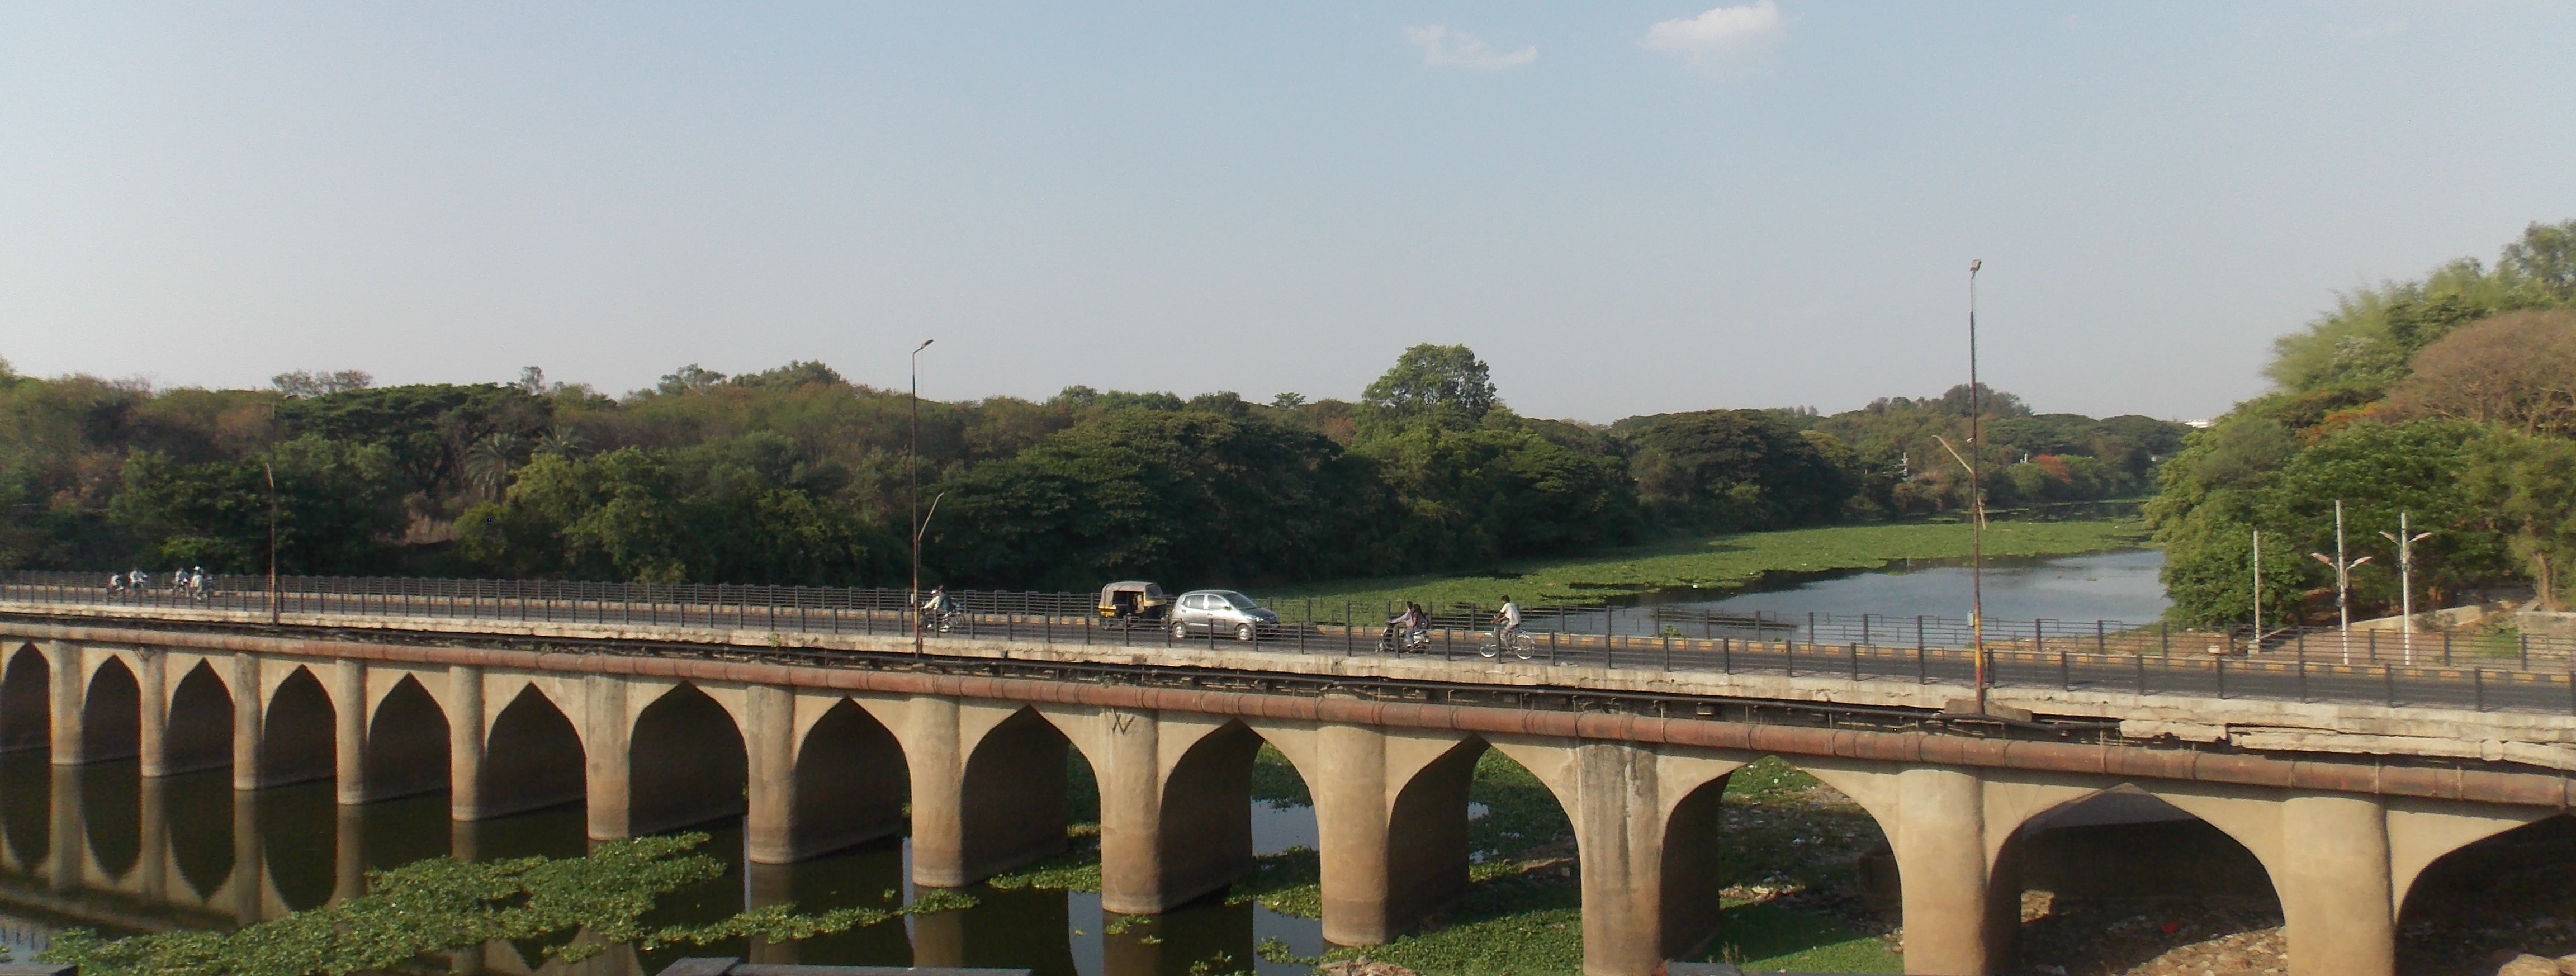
(223, 859)
(98, 846)
(2112, 586)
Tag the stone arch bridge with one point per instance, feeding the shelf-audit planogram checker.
(820, 741)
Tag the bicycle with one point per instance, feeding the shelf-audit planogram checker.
(1490, 645)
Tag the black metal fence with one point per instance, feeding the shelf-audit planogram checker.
(2478, 671)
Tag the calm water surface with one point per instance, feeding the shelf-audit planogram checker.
(2114, 586)
(101, 847)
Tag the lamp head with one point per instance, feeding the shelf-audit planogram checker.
(1975, 264)
(925, 344)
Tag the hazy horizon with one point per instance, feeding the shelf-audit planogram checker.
(1625, 208)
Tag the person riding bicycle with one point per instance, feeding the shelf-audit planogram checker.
(142, 580)
(1510, 619)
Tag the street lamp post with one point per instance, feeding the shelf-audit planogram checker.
(912, 495)
(2406, 578)
(271, 470)
(2343, 581)
(1976, 503)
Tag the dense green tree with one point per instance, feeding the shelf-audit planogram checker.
(1732, 470)
(1447, 385)
(339, 506)
(1160, 494)
(2527, 487)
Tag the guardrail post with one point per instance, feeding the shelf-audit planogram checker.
(2221, 662)
(2142, 675)
(1855, 661)
(2478, 686)
(2526, 649)
(1726, 654)
(2303, 675)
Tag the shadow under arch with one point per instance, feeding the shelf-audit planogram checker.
(2466, 905)
(1205, 838)
(685, 763)
(111, 714)
(199, 733)
(296, 741)
(406, 751)
(26, 807)
(532, 759)
(2106, 856)
(1427, 848)
(1017, 795)
(111, 812)
(851, 783)
(26, 701)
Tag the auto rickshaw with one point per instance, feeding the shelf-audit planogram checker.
(1134, 602)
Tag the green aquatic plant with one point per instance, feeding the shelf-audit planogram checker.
(443, 904)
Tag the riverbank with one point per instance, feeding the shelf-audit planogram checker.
(1726, 562)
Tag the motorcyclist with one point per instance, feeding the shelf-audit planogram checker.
(937, 608)
(1406, 631)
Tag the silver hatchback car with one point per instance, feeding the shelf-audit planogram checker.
(1221, 612)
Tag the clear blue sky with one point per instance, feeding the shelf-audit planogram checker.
(1625, 207)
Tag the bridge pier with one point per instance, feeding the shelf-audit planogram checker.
(349, 731)
(465, 742)
(605, 759)
(1391, 825)
(2337, 905)
(152, 724)
(769, 747)
(246, 721)
(70, 681)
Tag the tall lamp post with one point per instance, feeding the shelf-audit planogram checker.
(1976, 503)
(2343, 581)
(912, 495)
(271, 469)
(2406, 577)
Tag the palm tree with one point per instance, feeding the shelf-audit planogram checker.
(488, 464)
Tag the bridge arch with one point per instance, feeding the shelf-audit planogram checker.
(2099, 854)
(2484, 885)
(406, 744)
(297, 741)
(532, 758)
(686, 762)
(1013, 796)
(26, 700)
(851, 782)
(111, 713)
(198, 734)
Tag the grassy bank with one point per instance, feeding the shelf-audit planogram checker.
(1726, 561)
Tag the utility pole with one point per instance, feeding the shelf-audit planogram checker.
(1976, 503)
(2343, 581)
(2257, 644)
(912, 496)
(271, 469)
(2406, 578)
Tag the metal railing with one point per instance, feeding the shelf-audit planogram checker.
(2434, 669)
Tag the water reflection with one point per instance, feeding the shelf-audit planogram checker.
(100, 846)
